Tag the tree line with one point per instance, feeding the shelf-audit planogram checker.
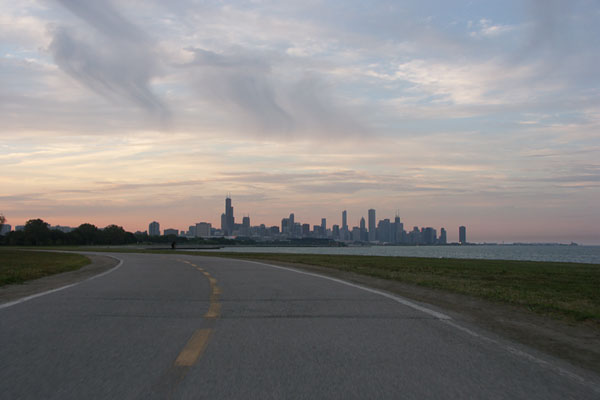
(38, 233)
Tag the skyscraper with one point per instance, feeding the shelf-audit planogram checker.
(372, 226)
(364, 235)
(154, 229)
(229, 219)
(344, 231)
(291, 225)
(428, 235)
(305, 230)
(324, 227)
(397, 230)
(442, 239)
(285, 223)
(203, 229)
(462, 235)
(335, 232)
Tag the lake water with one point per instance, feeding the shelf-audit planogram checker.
(578, 254)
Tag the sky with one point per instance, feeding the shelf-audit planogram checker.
(477, 113)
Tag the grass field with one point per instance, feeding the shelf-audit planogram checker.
(565, 290)
(18, 266)
(561, 290)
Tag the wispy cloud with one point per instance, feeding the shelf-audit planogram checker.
(276, 96)
(117, 60)
(458, 112)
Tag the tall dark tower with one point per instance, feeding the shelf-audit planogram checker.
(344, 231)
(229, 219)
(372, 228)
(462, 235)
(364, 236)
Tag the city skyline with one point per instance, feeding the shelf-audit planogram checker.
(463, 113)
(365, 221)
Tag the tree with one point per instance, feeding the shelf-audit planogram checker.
(114, 234)
(37, 232)
(87, 234)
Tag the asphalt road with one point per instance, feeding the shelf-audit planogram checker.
(194, 327)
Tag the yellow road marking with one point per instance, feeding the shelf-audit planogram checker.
(194, 348)
(214, 310)
(197, 343)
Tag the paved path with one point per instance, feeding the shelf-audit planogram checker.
(169, 326)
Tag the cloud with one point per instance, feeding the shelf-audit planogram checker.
(273, 93)
(488, 29)
(115, 59)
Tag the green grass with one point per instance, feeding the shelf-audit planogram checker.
(561, 290)
(18, 266)
(564, 290)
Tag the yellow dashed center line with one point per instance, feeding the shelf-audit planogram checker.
(197, 343)
(194, 348)
(213, 311)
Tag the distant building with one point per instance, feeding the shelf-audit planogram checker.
(428, 236)
(154, 229)
(19, 228)
(297, 229)
(372, 227)
(6, 228)
(246, 222)
(317, 230)
(324, 227)
(414, 236)
(305, 230)
(228, 222)
(397, 230)
(223, 222)
(356, 234)
(335, 232)
(344, 232)
(462, 235)
(171, 231)
(384, 231)
(364, 236)
(442, 239)
(285, 222)
(202, 229)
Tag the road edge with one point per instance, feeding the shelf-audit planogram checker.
(44, 291)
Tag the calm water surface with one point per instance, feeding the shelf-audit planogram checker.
(579, 254)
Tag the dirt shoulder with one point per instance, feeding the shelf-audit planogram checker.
(98, 265)
(578, 344)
